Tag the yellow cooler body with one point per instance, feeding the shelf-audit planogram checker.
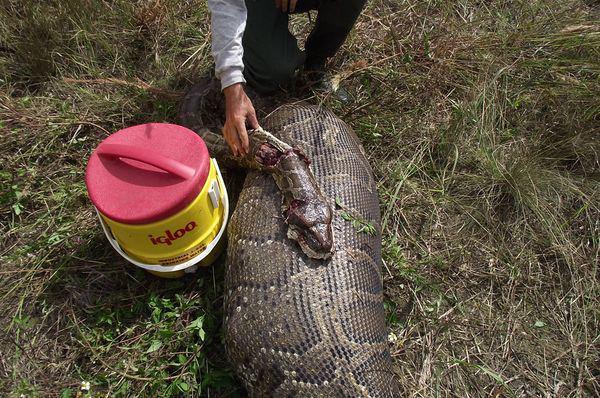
(160, 198)
(177, 245)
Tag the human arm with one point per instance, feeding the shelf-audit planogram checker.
(228, 22)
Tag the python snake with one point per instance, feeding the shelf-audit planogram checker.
(295, 325)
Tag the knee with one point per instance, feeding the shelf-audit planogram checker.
(269, 75)
(280, 71)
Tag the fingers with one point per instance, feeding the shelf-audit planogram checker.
(242, 136)
(231, 136)
(239, 112)
(236, 135)
(293, 5)
(252, 120)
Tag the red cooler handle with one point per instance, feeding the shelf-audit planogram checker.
(147, 156)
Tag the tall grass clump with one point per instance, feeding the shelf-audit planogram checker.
(95, 38)
(484, 131)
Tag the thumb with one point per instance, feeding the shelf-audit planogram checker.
(242, 135)
(252, 120)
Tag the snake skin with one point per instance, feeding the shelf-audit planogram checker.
(307, 212)
(296, 326)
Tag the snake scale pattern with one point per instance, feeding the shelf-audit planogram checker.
(296, 326)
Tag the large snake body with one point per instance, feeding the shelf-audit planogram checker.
(297, 326)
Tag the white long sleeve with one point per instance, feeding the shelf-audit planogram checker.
(228, 21)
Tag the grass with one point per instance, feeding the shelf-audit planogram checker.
(481, 121)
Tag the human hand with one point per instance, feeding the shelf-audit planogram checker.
(286, 5)
(239, 112)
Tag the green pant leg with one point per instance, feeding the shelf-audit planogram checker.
(271, 53)
(335, 20)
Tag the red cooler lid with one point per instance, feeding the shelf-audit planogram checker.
(147, 173)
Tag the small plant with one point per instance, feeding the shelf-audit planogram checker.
(358, 223)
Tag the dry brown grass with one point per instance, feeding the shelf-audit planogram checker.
(481, 122)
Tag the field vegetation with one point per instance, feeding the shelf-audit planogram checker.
(481, 120)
